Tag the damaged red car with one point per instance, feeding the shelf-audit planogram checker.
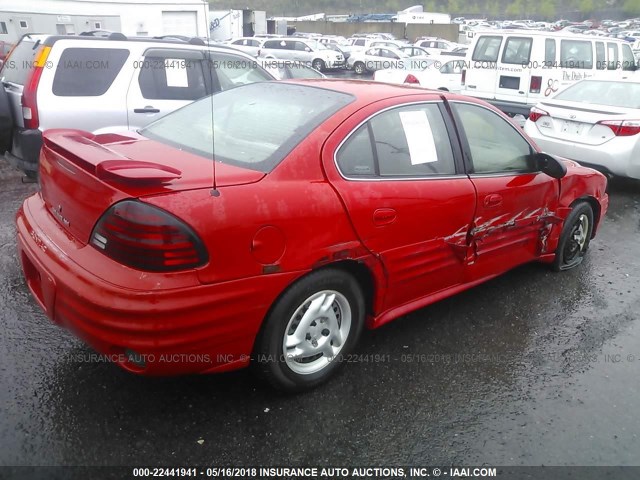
(267, 225)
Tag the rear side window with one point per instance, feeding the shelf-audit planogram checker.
(549, 52)
(487, 49)
(87, 72)
(628, 60)
(172, 79)
(517, 50)
(17, 67)
(409, 141)
(601, 62)
(576, 54)
(613, 56)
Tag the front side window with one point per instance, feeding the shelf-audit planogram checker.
(487, 49)
(494, 144)
(410, 141)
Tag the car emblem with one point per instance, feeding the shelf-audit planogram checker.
(57, 212)
(572, 117)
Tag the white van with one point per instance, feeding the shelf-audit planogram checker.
(515, 69)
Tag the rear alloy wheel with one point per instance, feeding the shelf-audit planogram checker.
(575, 237)
(359, 68)
(313, 324)
(318, 64)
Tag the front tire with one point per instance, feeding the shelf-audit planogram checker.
(319, 65)
(310, 327)
(359, 68)
(575, 237)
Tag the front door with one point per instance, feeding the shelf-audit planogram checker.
(516, 203)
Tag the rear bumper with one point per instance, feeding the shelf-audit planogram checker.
(174, 324)
(25, 150)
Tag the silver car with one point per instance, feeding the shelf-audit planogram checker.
(302, 50)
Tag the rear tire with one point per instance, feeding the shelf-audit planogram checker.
(575, 237)
(309, 329)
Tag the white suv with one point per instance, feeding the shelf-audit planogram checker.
(303, 50)
(98, 84)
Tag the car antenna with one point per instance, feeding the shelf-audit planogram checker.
(214, 190)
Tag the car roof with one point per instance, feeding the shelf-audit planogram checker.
(121, 40)
(369, 91)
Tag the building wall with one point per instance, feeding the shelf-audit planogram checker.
(400, 30)
(131, 17)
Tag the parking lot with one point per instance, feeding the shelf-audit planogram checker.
(530, 368)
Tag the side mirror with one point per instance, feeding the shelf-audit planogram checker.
(549, 165)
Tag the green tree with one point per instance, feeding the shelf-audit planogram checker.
(586, 6)
(547, 9)
(631, 7)
(515, 9)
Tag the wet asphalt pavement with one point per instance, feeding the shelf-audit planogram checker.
(532, 368)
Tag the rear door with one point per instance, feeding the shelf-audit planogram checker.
(167, 79)
(516, 202)
(399, 176)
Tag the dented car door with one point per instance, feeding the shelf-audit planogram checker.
(516, 204)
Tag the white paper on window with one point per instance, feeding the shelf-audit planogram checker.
(422, 146)
(176, 72)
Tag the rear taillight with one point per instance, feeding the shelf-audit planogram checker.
(29, 93)
(412, 79)
(535, 84)
(464, 77)
(625, 128)
(147, 238)
(536, 113)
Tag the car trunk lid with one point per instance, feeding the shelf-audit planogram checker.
(83, 174)
(580, 124)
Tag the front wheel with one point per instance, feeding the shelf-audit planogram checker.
(309, 329)
(359, 68)
(574, 239)
(318, 64)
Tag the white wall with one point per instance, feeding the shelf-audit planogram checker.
(136, 16)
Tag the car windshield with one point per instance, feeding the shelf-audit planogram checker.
(600, 92)
(254, 126)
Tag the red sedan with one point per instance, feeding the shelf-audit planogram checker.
(270, 223)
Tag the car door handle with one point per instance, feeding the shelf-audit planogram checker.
(146, 110)
(492, 200)
(384, 216)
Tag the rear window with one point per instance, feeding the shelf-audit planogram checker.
(254, 126)
(601, 92)
(17, 67)
(87, 72)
